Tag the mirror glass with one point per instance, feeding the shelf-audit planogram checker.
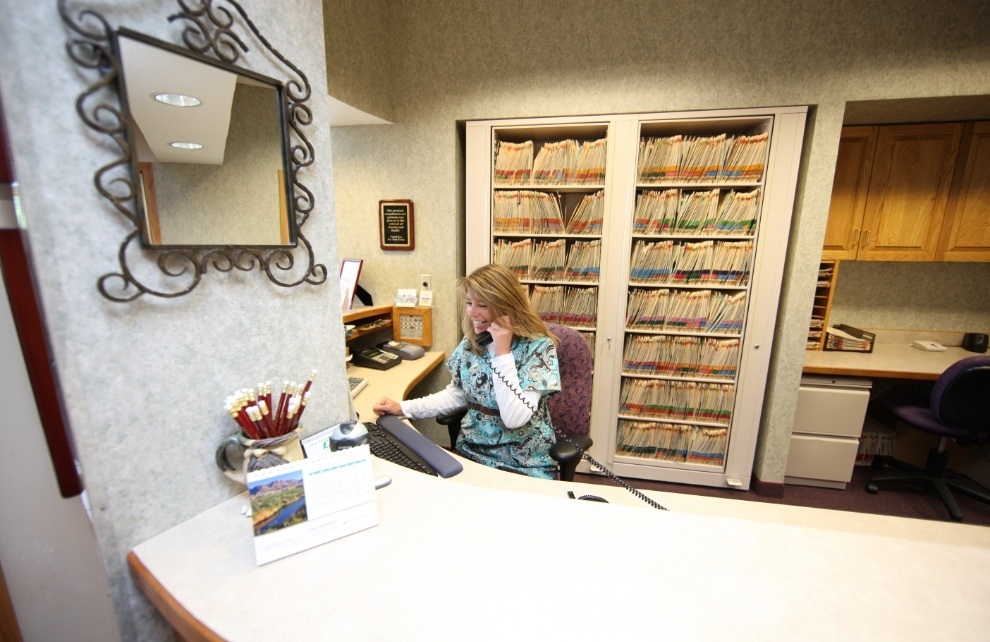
(209, 148)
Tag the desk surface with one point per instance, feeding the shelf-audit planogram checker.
(478, 556)
(452, 560)
(888, 360)
(396, 382)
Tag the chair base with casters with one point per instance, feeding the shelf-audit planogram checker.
(935, 474)
(958, 408)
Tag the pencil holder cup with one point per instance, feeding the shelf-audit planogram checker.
(257, 454)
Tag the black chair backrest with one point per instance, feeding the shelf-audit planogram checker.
(961, 397)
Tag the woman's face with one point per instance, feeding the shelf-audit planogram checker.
(480, 313)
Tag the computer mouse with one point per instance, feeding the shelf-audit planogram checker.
(348, 434)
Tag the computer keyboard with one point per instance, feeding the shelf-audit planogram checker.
(384, 446)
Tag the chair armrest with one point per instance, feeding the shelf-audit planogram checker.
(453, 423)
(568, 456)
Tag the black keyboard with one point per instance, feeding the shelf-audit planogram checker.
(386, 447)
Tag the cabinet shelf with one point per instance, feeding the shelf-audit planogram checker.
(545, 235)
(828, 272)
(367, 320)
(682, 333)
(719, 184)
(544, 187)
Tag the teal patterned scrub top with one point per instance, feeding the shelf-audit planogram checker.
(484, 437)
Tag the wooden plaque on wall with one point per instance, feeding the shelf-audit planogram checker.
(396, 230)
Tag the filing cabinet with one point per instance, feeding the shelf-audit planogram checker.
(827, 426)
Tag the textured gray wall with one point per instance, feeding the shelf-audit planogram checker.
(360, 33)
(450, 61)
(144, 382)
(913, 296)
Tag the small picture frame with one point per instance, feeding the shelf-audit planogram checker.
(350, 272)
(396, 229)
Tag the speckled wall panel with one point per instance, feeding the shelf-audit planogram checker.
(144, 382)
(954, 297)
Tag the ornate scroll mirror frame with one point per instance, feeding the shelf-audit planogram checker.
(211, 30)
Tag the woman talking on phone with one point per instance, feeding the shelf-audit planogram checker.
(503, 384)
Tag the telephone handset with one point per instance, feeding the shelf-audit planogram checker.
(483, 339)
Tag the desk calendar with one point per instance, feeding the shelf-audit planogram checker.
(306, 503)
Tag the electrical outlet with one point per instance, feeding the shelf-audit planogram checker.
(425, 282)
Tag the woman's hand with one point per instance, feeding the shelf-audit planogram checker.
(501, 331)
(386, 406)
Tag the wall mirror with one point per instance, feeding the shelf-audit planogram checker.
(209, 143)
(211, 153)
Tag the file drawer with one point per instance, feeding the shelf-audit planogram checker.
(814, 457)
(838, 409)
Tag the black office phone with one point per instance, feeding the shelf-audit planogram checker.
(375, 358)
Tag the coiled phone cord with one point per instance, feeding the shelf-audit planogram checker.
(584, 453)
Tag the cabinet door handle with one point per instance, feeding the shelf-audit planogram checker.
(856, 242)
(866, 238)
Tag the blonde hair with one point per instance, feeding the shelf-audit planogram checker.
(498, 288)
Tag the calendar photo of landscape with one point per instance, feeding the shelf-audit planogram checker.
(278, 502)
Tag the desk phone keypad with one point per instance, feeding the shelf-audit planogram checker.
(374, 358)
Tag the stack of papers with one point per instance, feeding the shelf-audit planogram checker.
(837, 339)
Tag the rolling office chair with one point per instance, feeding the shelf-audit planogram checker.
(959, 409)
(570, 409)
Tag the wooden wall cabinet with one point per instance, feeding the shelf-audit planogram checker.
(966, 231)
(911, 193)
(852, 180)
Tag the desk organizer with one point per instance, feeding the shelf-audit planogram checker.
(845, 338)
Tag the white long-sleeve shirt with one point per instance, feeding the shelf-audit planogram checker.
(515, 412)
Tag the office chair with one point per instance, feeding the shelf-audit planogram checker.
(958, 409)
(570, 409)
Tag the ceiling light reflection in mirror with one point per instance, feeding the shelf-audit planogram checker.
(209, 149)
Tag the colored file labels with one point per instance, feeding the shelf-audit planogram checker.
(574, 307)
(550, 260)
(678, 262)
(697, 310)
(677, 400)
(700, 159)
(526, 212)
(556, 163)
(681, 356)
(672, 442)
(711, 212)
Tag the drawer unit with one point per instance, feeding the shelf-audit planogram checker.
(828, 422)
